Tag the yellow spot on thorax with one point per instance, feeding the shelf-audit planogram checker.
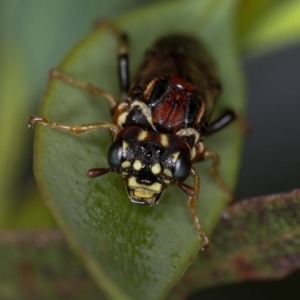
(164, 140)
(142, 135)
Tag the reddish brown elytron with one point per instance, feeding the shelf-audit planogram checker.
(159, 128)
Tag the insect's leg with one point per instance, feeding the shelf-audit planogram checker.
(91, 89)
(214, 170)
(123, 69)
(192, 203)
(75, 129)
(123, 61)
(226, 118)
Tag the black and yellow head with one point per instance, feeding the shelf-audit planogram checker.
(149, 161)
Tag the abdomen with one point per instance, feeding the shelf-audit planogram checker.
(182, 57)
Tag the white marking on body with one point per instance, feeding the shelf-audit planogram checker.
(122, 118)
(189, 132)
(145, 110)
(193, 153)
(122, 113)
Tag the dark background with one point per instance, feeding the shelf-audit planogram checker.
(271, 158)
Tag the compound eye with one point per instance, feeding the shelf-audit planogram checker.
(182, 168)
(114, 154)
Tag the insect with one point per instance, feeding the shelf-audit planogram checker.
(159, 127)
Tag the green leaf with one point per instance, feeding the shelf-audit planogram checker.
(248, 13)
(39, 265)
(133, 250)
(276, 25)
(13, 106)
(31, 213)
(27, 51)
(257, 239)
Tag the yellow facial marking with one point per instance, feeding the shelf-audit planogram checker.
(175, 155)
(200, 147)
(124, 145)
(155, 187)
(189, 132)
(197, 150)
(164, 140)
(142, 193)
(122, 118)
(142, 135)
(126, 164)
(145, 110)
(166, 181)
(156, 169)
(193, 153)
(168, 172)
(137, 165)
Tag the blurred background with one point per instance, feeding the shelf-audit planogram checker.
(35, 36)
